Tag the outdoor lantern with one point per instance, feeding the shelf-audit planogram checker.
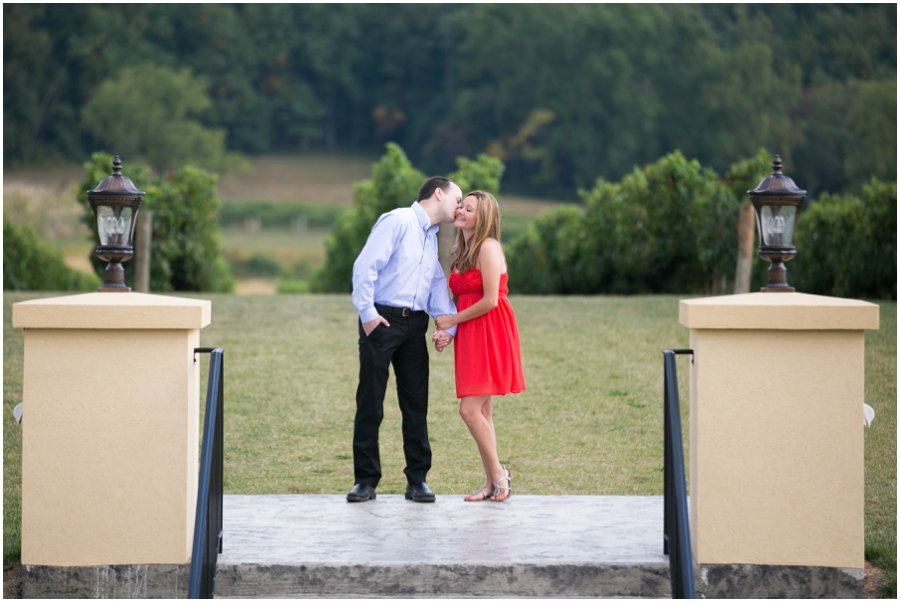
(777, 201)
(115, 202)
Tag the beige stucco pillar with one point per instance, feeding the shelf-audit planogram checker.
(110, 429)
(776, 429)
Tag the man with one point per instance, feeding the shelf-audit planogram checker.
(397, 279)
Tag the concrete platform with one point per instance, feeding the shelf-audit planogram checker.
(319, 546)
(543, 546)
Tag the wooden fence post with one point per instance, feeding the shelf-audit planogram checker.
(446, 239)
(746, 228)
(142, 252)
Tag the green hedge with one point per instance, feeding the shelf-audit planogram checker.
(30, 265)
(847, 245)
(668, 227)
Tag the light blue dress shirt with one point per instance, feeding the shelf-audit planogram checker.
(399, 267)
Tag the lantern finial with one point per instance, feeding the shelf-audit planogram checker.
(777, 202)
(115, 202)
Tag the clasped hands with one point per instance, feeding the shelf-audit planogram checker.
(441, 338)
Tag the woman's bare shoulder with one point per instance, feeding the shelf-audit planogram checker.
(491, 245)
(491, 254)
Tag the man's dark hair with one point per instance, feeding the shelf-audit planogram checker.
(432, 184)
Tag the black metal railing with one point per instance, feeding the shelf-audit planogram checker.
(676, 529)
(208, 521)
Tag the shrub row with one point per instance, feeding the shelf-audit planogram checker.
(669, 227)
(30, 265)
(847, 245)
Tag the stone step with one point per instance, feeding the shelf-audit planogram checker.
(529, 546)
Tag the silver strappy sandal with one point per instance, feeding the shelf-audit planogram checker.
(507, 476)
(485, 495)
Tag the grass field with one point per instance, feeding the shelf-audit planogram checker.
(590, 422)
(318, 178)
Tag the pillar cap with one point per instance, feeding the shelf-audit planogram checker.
(134, 311)
(782, 311)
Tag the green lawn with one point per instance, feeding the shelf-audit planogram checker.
(881, 447)
(590, 422)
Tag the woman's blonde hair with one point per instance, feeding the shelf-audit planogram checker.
(487, 225)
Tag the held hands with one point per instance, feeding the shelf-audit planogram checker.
(444, 322)
(441, 339)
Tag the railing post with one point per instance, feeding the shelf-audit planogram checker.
(220, 449)
(676, 530)
(208, 522)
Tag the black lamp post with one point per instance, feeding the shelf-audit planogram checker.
(777, 202)
(115, 202)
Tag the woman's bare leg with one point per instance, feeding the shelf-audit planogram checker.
(499, 494)
(476, 412)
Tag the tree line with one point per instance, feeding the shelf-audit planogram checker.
(561, 94)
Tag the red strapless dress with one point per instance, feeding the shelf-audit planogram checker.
(486, 350)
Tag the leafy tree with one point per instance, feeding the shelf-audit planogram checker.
(329, 51)
(185, 251)
(30, 265)
(395, 183)
(482, 174)
(152, 112)
(847, 245)
(54, 58)
(561, 94)
(848, 134)
(26, 49)
(644, 100)
(872, 121)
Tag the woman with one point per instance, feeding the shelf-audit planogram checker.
(487, 356)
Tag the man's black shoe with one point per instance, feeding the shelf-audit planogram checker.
(361, 493)
(419, 493)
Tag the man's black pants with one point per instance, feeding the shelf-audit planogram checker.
(402, 345)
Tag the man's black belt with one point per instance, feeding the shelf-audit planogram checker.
(397, 312)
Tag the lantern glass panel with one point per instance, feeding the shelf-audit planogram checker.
(777, 224)
(113, 224)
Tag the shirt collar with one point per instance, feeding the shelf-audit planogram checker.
(422, 216)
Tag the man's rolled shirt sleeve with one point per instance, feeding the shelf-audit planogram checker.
(439, 301)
